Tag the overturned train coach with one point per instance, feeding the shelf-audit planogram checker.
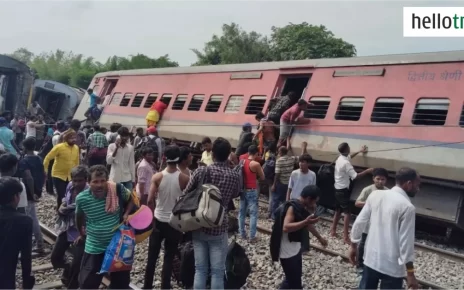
(408, 110)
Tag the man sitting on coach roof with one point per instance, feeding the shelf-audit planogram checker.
(98, 208)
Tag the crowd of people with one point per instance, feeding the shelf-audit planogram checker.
(88, 187)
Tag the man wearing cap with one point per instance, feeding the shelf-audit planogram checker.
(245, 139)
(7, 137)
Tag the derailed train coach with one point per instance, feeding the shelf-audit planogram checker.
(407, 108)
(16, 81)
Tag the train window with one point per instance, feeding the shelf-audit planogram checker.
(255, 105)
(150, 100)
(179, 102)
(214, 103)
(125, 100)
(116, 98)
(166, 98)
(350, 108)
(233, 105)
(387, 110)
(196, 102)
(137, 100)
(461, 121)
(431, 112)
(319, 110)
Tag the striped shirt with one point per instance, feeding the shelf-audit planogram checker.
(145, 172)
(284, 167)
(99, 224)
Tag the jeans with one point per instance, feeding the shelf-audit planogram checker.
(128, 185)
(209, 250)
(30, 211)
(370, 280)
(293, 270)
(161, 231)
(71, 269)
(361, 246)
(278, 197)
(248, 201)
(60, 187)
(90, 279)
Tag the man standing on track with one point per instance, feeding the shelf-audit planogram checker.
(96, 210)
(16, 237)
(122, 160)
(344, 175)
(389, 252)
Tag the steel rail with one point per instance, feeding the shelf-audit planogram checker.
(345, 258)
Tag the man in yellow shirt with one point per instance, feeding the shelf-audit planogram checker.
(66, 156)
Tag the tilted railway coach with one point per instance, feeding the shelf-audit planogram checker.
(407, 108)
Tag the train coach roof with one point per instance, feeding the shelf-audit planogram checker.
(426, 57)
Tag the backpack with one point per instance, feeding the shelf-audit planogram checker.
(269, 168)
(95, 113)
(237, 267)
(47, 146)
(200, 208)
(187, 265)
(239, 169)
(148, 142)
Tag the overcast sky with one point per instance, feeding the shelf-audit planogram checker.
(105, 28)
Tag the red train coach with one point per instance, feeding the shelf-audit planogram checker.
(408, 109)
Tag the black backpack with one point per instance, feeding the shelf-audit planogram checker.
(147, 142)
(187, 265)
(47, 146)
(269, 168)
(238, 267)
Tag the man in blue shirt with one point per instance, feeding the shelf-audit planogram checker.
(94, 100)
(7, 137)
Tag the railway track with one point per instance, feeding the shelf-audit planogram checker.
(418, 246)
(424, 283)
(50, 237)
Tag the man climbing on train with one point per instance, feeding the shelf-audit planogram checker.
(155, 113)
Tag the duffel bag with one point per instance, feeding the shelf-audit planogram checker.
(200, 208)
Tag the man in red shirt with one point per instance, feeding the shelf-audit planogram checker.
(290, 117)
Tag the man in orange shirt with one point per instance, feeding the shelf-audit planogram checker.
(155, 113)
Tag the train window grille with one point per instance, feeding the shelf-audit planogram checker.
(138, 99)
(179, 102)
(116, 98)
(166, 98)
(320, 108)
(125, 100)
(150, 100)
(461, 121)
(233, 104)
(196, 102)
(255, 105)
(387, 110)
(350, 108)
(431, 112)
(214, 103)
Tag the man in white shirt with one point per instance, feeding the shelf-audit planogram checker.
(380, 177)
(122, 160)
(389, 251)
(34, 109)
(206, 156)
(344, 174)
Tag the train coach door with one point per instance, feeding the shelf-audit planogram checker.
(108, 87)
(296, 84)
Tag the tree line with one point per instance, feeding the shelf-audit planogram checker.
(234, 45)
